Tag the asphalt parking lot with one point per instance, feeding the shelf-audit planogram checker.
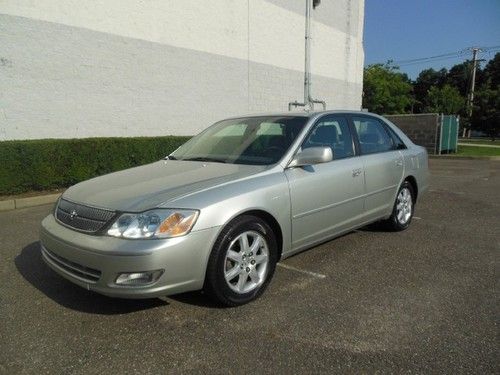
(424, 300)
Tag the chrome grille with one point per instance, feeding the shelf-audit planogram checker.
(87, 274)
(81, 217)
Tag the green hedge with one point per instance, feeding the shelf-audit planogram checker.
(55, 163)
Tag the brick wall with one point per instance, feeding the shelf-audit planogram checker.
(422, 129)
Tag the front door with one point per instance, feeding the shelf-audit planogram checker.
(326, 198)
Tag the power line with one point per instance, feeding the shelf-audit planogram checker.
(488, 48)
(427, 61)
(445, 56)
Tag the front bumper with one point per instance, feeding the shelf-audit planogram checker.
(94, 262)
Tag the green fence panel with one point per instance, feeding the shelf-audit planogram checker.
(449, 134)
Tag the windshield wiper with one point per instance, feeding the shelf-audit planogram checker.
(215, 160)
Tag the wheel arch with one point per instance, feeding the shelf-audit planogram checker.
(272, 222)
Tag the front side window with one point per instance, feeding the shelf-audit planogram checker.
(261, 140)
(332, 132)
(372, 135)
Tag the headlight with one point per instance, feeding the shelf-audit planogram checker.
(159, 223)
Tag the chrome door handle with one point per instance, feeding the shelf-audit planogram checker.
(399, 162)
(356, 172)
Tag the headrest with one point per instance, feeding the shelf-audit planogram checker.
(326, 134)
(369, 138)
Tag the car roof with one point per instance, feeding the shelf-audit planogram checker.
(308, 114)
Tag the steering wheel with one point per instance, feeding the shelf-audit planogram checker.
(273, 151)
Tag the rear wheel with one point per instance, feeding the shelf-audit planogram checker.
(402, 212)
(242, 261)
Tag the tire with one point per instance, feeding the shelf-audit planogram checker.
(238, 272)
(403, 209)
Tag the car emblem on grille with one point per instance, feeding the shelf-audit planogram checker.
(73, 214)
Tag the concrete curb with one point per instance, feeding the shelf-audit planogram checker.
(13, 204)
(456, 157)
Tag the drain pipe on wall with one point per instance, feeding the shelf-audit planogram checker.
(309, 102)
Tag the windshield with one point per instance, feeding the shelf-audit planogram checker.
(248, 140)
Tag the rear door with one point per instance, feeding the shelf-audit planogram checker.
(326, 198)
(383, 164)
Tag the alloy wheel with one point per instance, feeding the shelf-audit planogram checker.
(404, 206)
(246, 262)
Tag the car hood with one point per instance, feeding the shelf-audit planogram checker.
(157, 184)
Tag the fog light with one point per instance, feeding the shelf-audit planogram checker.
(138, 278)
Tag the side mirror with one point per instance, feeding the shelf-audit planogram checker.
(312, 155)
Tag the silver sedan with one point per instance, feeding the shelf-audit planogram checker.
(219, 212)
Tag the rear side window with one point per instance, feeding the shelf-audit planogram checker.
(372, 135)
(398, 143)
(332, 132)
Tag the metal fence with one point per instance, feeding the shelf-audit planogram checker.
(438, 133)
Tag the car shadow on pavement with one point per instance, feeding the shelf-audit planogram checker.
(31, 266)
(197, 298)
(377, 226)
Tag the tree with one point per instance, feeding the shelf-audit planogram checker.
(459, 76)
(386, 90)
(486, 113)
(445, 100)
(427, 79)
(486, 110)
(492, 71)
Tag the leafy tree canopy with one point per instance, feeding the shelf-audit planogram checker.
(486, 113)
(492, 71)
(389, 91)
(386, 89)
(426, 80)
(446, 99)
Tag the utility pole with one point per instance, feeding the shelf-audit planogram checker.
(470, 97)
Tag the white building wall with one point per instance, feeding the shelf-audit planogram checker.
(76, 68)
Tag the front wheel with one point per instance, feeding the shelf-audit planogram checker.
(242, 261)
(402, 211)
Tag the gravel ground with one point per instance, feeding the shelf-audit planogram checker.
(424, 300)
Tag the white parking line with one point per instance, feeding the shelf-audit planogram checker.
(417, 218)
(313, 274)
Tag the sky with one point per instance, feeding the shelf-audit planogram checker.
(410, 29)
